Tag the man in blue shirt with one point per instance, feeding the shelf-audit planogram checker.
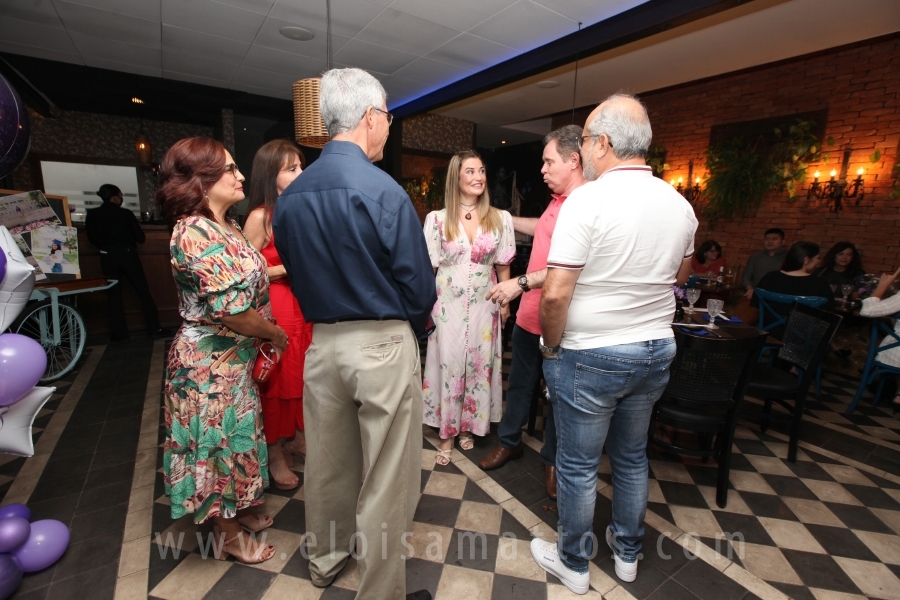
(356, 257)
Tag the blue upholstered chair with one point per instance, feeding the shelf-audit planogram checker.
(874, 367)
(770, 319)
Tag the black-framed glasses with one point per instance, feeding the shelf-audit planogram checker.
(583, 138)
(390, 117)
(232, 168)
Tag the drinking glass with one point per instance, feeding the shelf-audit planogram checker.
(834, 288)
(846, 290)
(714, 308)
(692, 295)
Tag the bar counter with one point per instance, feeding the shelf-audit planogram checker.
(154, 255)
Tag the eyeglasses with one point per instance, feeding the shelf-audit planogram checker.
(583, 138)
(390, 117)
(232, 168)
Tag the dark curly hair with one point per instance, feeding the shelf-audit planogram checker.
(705, 247)
(190, 167)
(853, 269)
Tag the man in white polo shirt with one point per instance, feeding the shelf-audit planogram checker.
(619, 245)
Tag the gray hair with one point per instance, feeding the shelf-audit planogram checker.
(566, 138)
(345, 96)
(624, 121)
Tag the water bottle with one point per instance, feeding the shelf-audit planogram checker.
(721, 278)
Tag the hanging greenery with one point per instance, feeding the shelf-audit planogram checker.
(741, 171)
(656, 160)
(738, 177)
(428, 191)
(796, 148)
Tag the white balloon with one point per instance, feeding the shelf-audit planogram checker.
(18, 283)
(16, 421)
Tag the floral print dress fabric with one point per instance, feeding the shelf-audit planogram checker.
(462, 379)
(215, 461)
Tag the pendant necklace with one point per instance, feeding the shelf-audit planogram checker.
(468, 210)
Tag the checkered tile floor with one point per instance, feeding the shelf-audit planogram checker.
(824, 528)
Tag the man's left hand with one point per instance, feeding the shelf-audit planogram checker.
(504, 292)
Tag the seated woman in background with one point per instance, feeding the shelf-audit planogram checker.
(795, 279)
(841, 265)
(876, 306)
(707, 258)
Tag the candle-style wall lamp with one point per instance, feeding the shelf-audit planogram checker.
(690, 192)
(836, 189)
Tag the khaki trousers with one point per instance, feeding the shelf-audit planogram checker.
(362, 404)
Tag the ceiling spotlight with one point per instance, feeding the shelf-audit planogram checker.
(297, 33)
(137, 100)
(502, 141)
(547, 84)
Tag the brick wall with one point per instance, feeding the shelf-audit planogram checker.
(859, 85)
(415, 165)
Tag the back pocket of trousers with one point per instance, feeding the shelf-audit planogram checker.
(597, 390)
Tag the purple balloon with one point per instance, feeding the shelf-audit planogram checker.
(10, 576)
(2, 265)
(47, 542)
(22, 363)
(15, 510)
(15, 137)
(14, 531)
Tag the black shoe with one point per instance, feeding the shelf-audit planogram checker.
(420, 595)
(162, 332)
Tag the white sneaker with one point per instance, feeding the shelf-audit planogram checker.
(547, 556)
(626, 571)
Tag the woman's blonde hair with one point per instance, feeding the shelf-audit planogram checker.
(488, 216)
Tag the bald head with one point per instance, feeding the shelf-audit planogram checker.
(619, 133)
(624, 121)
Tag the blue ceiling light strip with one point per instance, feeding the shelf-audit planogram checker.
(634, 24)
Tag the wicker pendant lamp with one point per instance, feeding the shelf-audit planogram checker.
(309, 129)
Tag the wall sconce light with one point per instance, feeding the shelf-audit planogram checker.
(836, 189)
(690, 192)
(143, 148)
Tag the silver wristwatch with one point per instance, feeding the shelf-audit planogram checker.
(547, 349)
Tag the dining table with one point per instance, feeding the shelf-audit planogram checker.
(697, 323)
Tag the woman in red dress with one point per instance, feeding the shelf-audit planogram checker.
(275, 166)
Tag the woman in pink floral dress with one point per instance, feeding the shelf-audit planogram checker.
(471, 245)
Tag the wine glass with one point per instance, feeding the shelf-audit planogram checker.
(846, 290)
(692, 295)
(714, 308)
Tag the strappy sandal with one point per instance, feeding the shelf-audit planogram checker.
(442, 457)
(466, 442)
(261, 555)
(290, 451)
(286, 485)
(254, 523)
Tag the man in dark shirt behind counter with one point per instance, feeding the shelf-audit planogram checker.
(356, 257)
(116, 233)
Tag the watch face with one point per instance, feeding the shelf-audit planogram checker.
(523, 280)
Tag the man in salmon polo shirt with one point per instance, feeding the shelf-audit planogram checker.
(562, 173)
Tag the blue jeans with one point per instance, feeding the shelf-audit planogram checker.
(524, 373)
(604, 396)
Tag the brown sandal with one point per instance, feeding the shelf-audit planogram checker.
(261, 555)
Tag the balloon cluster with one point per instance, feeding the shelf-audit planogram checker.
(27, 547)
(22, 360)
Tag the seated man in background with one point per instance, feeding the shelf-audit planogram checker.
(764, 261)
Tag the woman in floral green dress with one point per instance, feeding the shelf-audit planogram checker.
(215, 461)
